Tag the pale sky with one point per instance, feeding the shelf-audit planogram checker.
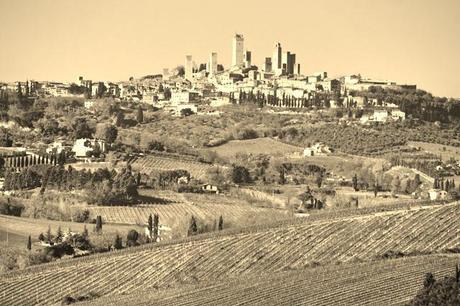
(408, 41)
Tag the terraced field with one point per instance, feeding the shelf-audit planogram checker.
(387, 282)
(151, 163)
(253, 251)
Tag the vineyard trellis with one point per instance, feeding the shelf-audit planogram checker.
(273, 249)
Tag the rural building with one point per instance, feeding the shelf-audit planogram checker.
(210, 188)
(82, 146)
(317, 149)
(380, 115)
(179, 97)
(179, 108)
(437, 194)
(89, 104)
(55, 147)
(398, 115)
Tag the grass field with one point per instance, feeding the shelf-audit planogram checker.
(438, 149)
(387, 282)
(255, 146)
(254, 251)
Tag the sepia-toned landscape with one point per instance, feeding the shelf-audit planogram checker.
(235, 173)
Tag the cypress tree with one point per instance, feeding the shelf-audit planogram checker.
(221, 223)
(156, 227)
(150, 226)
(29, 243)
(85, 232)
(140, 115)
(457, 273)
(98, 227)
(193, 228)
(58, 234)
(48, 234)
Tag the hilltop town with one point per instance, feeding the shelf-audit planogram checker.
(205, 173)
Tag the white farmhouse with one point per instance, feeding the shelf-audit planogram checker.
(437, 194)
(317, 149)
(380, 115)
(82, 146)
(398, 115)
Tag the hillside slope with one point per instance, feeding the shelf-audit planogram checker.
(254, 251)
(385, 282)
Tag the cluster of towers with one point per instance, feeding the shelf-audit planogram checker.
(281, 63)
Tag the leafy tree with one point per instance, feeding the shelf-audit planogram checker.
(120, 118)
(107, 132)
(132, 237)
(156, 145)
(429, 280)
(438, 292)
(118, 244)
(240, 175)
(319, 180)
(355, 182)
(186, 112)
(81, 128)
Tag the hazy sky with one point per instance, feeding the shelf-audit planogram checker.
(409, 41)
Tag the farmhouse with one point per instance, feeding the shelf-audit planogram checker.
(317, 149)
(210, 188)
(89, 104)
(398, 115)
(437, 194)
(82, 146)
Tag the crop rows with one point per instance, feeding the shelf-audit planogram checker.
(269, 249)
(157, 163)
(171, 212)
(387, 282)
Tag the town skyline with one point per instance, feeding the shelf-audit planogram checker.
(118, 51)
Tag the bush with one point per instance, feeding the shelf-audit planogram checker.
(132, 237)
(247, 134)
(442, 292)
(80, 215)
(10, 208)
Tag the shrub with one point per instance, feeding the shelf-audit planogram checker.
(80, 215)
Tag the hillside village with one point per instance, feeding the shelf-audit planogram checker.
(201, 162)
